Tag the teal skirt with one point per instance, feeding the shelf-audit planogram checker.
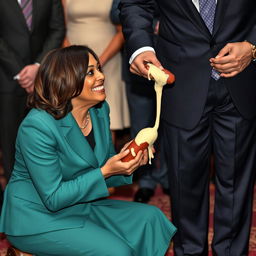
(114, 228)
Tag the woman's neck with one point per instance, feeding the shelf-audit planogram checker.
(81, 115)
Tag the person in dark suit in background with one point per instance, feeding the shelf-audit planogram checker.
(29, 29)
(209, 45)
(142, 105)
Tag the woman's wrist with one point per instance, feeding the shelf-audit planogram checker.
(105, 172)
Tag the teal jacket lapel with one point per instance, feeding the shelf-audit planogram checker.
(76, 140)
(101, 135)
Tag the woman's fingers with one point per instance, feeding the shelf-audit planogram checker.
(124, 152)
(126, 145)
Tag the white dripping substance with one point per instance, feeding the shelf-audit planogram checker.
(150, 134)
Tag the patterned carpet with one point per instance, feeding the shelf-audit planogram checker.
(162, 201)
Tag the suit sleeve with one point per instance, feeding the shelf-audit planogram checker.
(115, 12)
(136, 19)
(252, 36)
(39, 150)
(9, 61)
(56, 30)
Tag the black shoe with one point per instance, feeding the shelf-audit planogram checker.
(143, 195)
(166, 191)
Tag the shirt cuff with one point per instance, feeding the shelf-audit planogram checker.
(139, 51)
(17, 77)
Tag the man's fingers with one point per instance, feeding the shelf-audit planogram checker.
(30, 89)
(157, 64)
(139, 68)
(227, 67)
(227, 75)
(138, 65)
(26, 84)
(225, 50)
(135, 70)
(23, 71)
(226, 70)
(222, 60)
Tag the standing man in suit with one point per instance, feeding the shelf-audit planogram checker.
(29, 29)
(209, 45)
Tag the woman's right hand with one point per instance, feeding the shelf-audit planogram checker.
(114, 165)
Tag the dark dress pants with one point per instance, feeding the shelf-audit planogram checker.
(223, 132)
(12, 112)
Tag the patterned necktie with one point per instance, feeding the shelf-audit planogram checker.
(207, 12)
(26, 6)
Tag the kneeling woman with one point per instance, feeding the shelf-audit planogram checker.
(55, 202)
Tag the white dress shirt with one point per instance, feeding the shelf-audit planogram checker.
(149, 48)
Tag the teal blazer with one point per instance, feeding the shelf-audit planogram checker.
(57, 177)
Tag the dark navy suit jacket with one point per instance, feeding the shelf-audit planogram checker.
(185, 46)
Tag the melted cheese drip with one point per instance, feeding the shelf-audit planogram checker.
(133, 152)
(150, 134)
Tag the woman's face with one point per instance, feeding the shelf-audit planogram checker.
(93, 91)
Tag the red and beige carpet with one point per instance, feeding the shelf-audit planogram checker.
(162, 201)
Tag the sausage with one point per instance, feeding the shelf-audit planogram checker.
(133, 147)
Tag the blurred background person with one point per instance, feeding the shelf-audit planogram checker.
(29, 29)
(142, 108)
(88, 23)
(65, 161)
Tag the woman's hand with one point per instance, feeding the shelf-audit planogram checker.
(113, 47)
(144, 153)
(114, 166)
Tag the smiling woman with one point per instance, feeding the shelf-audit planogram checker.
(65, 162)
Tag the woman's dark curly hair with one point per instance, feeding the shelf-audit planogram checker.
(59, 79)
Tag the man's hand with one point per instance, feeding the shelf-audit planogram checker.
(27, 77)
(232, 59)
(138, 67)
(29, 89)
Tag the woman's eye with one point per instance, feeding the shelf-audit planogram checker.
(90, 73)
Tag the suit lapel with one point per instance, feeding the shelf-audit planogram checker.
(76, 140)
(189, 9)
(35, 13)
(222, 5)
(101, 135)
(19, 15)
